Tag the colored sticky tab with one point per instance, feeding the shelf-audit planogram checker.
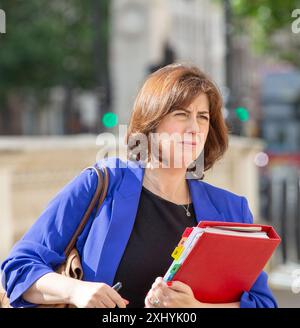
(175, 268)
(170, 277)
(182, 240)
(187, 232)
(177, 252)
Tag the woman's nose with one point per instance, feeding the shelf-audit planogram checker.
(193, 125)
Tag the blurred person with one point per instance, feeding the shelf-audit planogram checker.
(146, 210)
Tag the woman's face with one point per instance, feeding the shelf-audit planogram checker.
(183, 132)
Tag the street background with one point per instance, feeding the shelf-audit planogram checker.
(70, 70)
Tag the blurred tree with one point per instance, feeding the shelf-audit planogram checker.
(47, 44)
(269, 22)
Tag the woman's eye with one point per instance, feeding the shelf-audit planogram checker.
(204, 117)
(182, 114)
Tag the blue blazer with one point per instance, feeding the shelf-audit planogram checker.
(103, 241)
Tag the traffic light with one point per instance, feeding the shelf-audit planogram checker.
(242, 114)
(110, 119)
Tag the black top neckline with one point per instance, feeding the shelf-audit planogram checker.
(158, 227)
(161, 198)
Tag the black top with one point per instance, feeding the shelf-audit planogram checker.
(157, 230)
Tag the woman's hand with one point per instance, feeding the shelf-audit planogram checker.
(86, 294)
(176, 294)
(173, 294)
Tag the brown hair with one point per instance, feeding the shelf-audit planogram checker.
(177, 85)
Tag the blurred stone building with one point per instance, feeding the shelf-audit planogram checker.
(149, 34)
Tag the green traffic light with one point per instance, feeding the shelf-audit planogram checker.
(242, 114)
(110, 120)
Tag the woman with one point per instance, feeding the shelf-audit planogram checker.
(151, 199)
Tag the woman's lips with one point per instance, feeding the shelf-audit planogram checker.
(189, 143)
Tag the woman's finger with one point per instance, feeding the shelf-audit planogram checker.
(149, 299)
(159, 295)
(157, 282)
(148, 304)
(100, 305)
(116, 298)
(179, 287)
(108, 302)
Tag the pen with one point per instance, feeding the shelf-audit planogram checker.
(117, 286)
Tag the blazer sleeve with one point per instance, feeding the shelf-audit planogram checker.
(41, 249)
(260, 295)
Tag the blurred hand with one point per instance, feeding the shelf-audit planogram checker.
(95, 295)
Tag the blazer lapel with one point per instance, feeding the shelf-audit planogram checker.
(204, 208)
(124, 208)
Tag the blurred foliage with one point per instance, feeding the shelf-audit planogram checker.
(270, 14)
(263, 19)
(49, 43)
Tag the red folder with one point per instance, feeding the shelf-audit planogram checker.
(220, 268)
